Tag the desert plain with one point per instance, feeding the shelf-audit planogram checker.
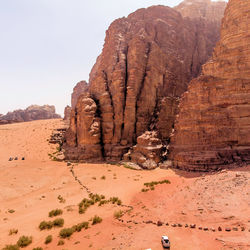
(30, 189)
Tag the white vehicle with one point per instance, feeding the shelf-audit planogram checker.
(165, 242)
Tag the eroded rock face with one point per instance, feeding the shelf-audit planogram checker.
(81, 87)
(33, 112)
(213, 127)
(146, 63)
(147, 153)
(67, 112)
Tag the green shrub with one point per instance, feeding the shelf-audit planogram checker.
(80, 226)
(118, 214)
(11, 247)
(58, 222)
(66, 232)
(55, 212)
(45, 225)
(60, 243)
(13, 231)
(24, 241)
(96, 219)
(48, 239)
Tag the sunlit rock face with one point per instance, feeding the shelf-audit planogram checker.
(213, 126)
(147, 61)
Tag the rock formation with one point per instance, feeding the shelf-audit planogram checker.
(67, 112)
(146, 63)
(80, 88)
(33, 112)
(213, 126)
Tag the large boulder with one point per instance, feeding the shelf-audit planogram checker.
(213, 127)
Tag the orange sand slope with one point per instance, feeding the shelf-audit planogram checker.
(31, 188)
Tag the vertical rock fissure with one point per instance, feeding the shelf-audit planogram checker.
(125, 88)
(148, 50)
(110, 96)
(76, 139)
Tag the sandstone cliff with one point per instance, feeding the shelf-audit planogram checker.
(213, 127)
(80, 88)
(67, 112)
(146, 63)
(33, 112)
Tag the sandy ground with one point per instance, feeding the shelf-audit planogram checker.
(31, 188)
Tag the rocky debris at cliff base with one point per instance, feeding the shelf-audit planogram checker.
(147, 153)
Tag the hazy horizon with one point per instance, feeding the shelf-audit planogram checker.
(49, 46)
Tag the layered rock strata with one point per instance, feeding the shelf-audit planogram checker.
(33, 112)
(146, 63)
(213, 126)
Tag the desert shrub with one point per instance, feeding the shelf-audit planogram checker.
(118, 214)
(60, 243)
(13, 231)
(11, 247)
(152, 184)
(58, 222)
(37, 248)
(66, 232)
(61, 199)
(115, 200)
(48, 239)
(144, 190)
(55, 212)
(103, 177)
(45, 225)
(80, 226)
(96, 219)
(11, 211)
(24, 241)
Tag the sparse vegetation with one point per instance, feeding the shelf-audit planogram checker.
(24, 241)
(118, 214)
(67, 232)
(13, 231)
(103, 177)
(55, 212)
(48, 239)
(61, 199)
(37, 248)
(151, 185)
(60, 243)
(49, 224)
(11, 247)
(11, 211)
(96, 219)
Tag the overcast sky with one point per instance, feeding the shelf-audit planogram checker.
(47, 46)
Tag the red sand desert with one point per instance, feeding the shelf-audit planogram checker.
(31, 188)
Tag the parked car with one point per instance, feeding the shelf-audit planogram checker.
(165, 242)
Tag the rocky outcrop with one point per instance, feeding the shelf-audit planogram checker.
(147, 153)
(67, 112)
(80, 88)
(33, 112)
(145, 66)
(213, 126)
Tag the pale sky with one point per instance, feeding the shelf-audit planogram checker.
(47, 46)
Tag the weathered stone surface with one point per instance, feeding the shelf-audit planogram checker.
(146, 63)
(81, 87)
(213, 126)
(67, 112)
(33, 112)
(147, 153)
